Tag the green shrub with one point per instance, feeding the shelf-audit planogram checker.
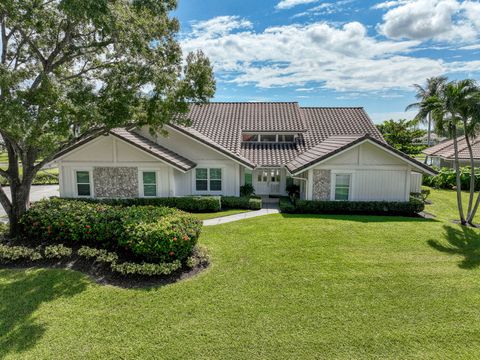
(170, 237)
(3, 228)
(146, 269)
(15, 253)
(414, 206)
(199, 256)
(193, 204)
(41, 178)
(233, 202)
(145, 232)
(247, 190)
(100, 255)
(57, 251)
(446, 179)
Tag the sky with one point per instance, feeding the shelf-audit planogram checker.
(333, 53)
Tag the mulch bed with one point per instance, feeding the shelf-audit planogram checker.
(102, 274)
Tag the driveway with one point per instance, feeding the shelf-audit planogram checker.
(37, 192)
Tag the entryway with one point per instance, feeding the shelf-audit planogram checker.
(267, 181)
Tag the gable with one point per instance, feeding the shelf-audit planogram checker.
(103, 149)
(365, 154)
(184, 145)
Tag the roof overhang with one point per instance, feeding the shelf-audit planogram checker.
(79, 145)
(417, 165)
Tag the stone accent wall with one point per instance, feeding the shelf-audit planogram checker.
(321, 184)
(115, 182)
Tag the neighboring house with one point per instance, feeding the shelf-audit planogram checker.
(434, 139)
(332, 153)
(443, 154)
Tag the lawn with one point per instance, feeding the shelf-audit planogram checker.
(280, 287)
(207, 216)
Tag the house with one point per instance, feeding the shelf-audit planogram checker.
(443, 154)
(332, 153)
(423, 140)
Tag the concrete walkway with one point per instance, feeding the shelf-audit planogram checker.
(269, 208)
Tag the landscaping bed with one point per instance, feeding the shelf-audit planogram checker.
(133, 242)
(411, 208)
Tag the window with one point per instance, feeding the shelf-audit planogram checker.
(83, 183)
(149, 183)
(342, 187)
(250, 137)
(286, 138)
(248, 177)
(283, 138)
(268, 138)
(208, 179)
(202, 179)
(215, 179)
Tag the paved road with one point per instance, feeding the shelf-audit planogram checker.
(37, 192)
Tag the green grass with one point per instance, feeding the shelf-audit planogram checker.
(280, 287)
(207, 216)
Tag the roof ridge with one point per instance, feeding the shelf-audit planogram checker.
(249, 102)
(331, 107)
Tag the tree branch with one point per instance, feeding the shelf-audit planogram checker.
(5, 201)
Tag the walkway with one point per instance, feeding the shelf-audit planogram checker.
(269, 207)
(37, 192)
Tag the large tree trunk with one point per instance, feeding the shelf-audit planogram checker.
(20, 194)
(459, 183)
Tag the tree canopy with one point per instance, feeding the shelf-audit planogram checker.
(70, 69)
(401, 135)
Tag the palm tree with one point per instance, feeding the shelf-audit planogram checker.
(434, 85)
(457, 104)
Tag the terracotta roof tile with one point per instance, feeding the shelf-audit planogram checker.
(445, 149)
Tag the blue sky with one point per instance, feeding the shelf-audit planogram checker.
(333, 53)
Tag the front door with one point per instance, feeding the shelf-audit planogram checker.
(267, 181)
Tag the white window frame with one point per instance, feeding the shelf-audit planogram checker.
(208, 191)
(141, 189)
(270, 142)
(75, 184)
(333, 180)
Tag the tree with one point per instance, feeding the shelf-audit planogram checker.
(401, 134)
(456, 105)
(433, 87)
(72, 69)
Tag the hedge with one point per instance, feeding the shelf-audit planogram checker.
(414, 206)
(150, 233)
(232, 202)
(446, 179)
(193, 204)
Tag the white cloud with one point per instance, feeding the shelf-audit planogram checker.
(380, 117)
(288, 4)
(389, 4)
(470, 47)
(219, 26)
(441, 20)
(316, 55)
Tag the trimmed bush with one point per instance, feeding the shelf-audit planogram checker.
(193, 204)
(232, 202)
(16, 253)
(247, 190)
(144, 232)
(414, 206)
(57, 251)
(446, 179)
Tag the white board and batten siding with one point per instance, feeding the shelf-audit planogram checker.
(416, 182)
(376, 175)
(109, 151)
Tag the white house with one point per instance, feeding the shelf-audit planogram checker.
(332, 153)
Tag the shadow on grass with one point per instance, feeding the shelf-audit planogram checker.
(460, 240)
(359, 218)
(21, 294)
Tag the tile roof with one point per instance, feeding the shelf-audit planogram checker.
(154, 149)
(335, 144)
(223, 124)
(445, 149)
